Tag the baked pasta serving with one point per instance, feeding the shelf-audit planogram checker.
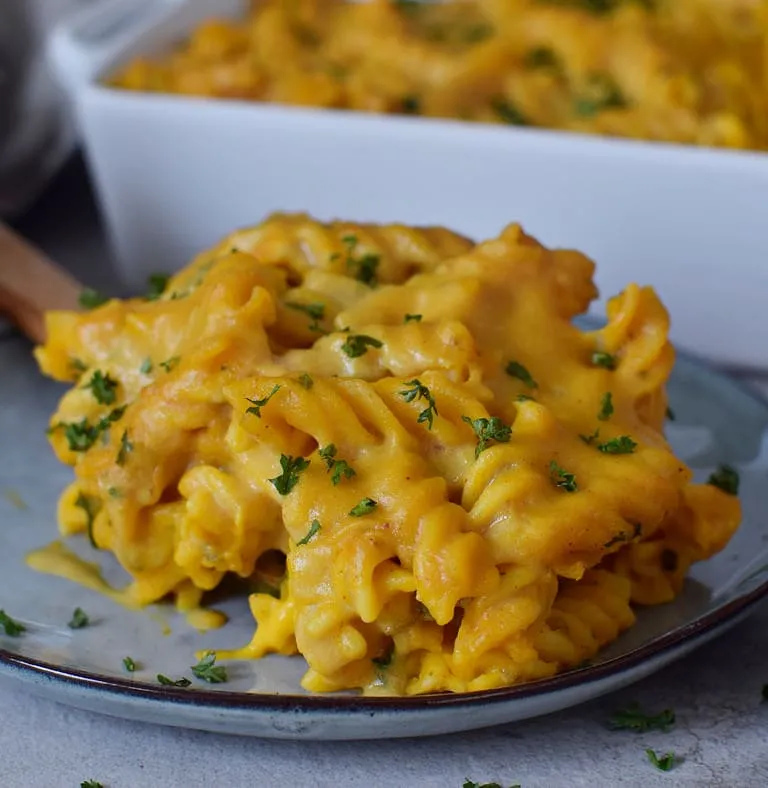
(687, 71)
(432, 479)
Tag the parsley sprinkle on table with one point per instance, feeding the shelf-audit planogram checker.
(91, 784)
(129, 664)
(207, 669)
(166, 682)
(314, 528)
(516, 370)
(487, 430)
(633, 718)
(664, 763)
(79, 619)
(726, 478)
(258, 404)
(289, 478)
(357, 345)
(366, 506)
(417, 392)
(561, 478)
(10, 626)
(103, 387)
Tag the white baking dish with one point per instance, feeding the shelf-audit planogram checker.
(174, 174)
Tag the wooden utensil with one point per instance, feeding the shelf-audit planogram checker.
(31, 284)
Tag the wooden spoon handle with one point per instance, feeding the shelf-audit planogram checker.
(31, 284)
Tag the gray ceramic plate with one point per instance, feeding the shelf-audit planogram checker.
(717, 422)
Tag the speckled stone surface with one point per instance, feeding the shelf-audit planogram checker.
(721, 733)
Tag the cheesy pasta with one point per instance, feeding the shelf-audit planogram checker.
(444, 482)
(688, 71)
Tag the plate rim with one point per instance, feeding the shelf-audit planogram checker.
(12, 664)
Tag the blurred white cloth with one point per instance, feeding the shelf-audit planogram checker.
(36, 128)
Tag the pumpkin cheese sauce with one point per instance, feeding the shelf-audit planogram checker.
(430, 478)
(686, 71)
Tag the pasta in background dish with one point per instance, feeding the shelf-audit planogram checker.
(456, 488)
(689, 71)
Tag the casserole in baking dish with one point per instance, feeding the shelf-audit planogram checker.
(175, 172)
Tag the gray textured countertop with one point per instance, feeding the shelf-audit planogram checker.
(722, 730)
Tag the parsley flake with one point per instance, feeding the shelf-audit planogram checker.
(366, 266)
(90, 298)
(606, 407)
(289, 478)
(10, 626)
(129, 664)
(412, 318)
(664, 763)
(166, 682)
(207, 669)
(561, 478)
(157, 284)
(602, 359)
(258, 404)
(726, 478)
(306, 381)
(337, 468)
(315, 312)
(632, 718)
(170, 363)
(590, 439)
(621, 445)
(146, 366)
(516, 370)
(103, 387)
(417, 392)
(126, 447)
(80, 435)
(79, 619)
(314, 529)
(91, 508)
(600, 93)
(356, 345)
(487, 430)
(472, 784)
(91, 784)
(366, 506)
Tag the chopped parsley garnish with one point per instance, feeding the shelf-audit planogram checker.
(509, 113)
(91, 784)
(79, 619)
(472, 784)
(412, 318)
(113, 492)
(207, 669)
(602, 359)
(366, 506)
(258, 404)
(337, 468)
(166, 682)
(76, 365)
(516, 370)
(170, 363)
(663, 763)
(91, 508)
(289, 478)
(540, 57)
(670, 414)
(146, 366)
(129, 664)
(606, 407)
(632, 718)
(621, 445)
(306, 381)
(90, 298)
(601, 93)
(10, 626)
(385, 659)
(156, 285)
(411, 105)
(126, 447)
(357, 345)
(590, 439)
(487, 430)
(103, 387)
(561, 478)
(419, 391)
(315, 312)
(366, 266)
(314, 528)
(80, 435)
(726, 478)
